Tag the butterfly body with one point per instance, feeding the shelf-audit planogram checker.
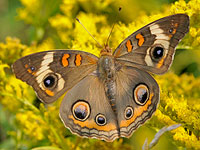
(112, 95)
(106, 72)
(106, 68)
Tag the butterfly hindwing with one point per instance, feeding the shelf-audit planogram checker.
(87, 101)
(152, 47)
(86, 110)
(52, 73)
(137, 98)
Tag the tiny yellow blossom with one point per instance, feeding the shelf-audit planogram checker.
(32, 124)
(82, 40)
(61, 22)
(30, 3)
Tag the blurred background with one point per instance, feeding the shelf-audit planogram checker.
(35, 25)
(13, 25)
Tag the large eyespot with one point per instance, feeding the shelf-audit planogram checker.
(141, 94)
(128, 112)
(81, 110)
(50, 81)
(100, 120)
(157, 52)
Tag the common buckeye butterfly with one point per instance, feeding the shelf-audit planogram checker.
(112, 95)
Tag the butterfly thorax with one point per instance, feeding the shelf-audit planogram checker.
(106, 65)
(106, 68)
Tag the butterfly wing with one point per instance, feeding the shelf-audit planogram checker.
(137, 98)
(52, 73)
(152, 47)
(86, 110)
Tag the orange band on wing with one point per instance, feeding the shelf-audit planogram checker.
(50, 93)
(140, 39)
(174, 31)
(78, 60)
(65, 61)
(160, 63)
(91, 124)
(176, 25)
(137, 112)
(30, 71)
(129, 46)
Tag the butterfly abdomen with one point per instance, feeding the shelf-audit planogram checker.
(106, 74)
(110, 89)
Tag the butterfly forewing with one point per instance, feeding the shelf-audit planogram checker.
(152, 47)
(52, 73)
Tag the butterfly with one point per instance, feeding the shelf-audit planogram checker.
(112, 95)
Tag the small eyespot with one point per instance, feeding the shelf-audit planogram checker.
(81, 110)
(157, 52)
(141, 94)
(100, 120)
(32, 68)
(171, 30)
(128, 112)
(50, 81)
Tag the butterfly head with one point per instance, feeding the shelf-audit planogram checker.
(106, 51)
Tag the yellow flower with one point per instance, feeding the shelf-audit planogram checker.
(12, 49)
(67, 7)
(61, 22)
(31, 7)
(63, 25)
(30, 3)
(82, 40)
(32, 124)
(177, 106)
(193, 31)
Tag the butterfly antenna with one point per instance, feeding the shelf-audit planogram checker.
(112, 27)
(89, 32)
